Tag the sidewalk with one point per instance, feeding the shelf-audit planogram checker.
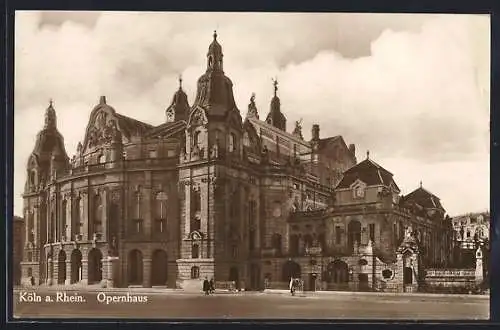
(164, 290)
(387, 294)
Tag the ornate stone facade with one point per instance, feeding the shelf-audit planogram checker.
(210, 194)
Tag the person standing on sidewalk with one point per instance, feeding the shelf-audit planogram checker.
(206, 286)
(292, 286)
(212, 285)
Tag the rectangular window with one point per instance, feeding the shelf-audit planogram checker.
(251, 240)
(337, 235)
(372, 232)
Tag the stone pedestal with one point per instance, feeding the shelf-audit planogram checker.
(479, 275)
(146, 272)
(67, 281)
(84, 272)
(50, 271)
(111, 263)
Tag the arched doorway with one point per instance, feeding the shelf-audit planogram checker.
(291, 269)
(353, 234)
(61, 267)
(135, 267)
(337, 275)
(407, 276)
(95, 266)
(363, 282)
(159, 266)
(234, 276)
(255, 277)
(76, 266)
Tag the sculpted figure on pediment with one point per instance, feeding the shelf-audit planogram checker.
(197, 118)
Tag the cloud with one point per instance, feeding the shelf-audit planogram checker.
(414, 89)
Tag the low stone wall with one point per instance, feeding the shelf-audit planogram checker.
(449, 281)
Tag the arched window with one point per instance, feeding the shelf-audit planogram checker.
(98, 213)
(32, 175)
(196, 139)
(78, 215)
(232, 142)
(195, 209)
(308, 241)
(64, 211)
(101, 159)
(251, 239)
(246, 139)
(161, 205)
(137, 205)
(294, 245)
(195, 251)
(276, 242)
(195, 272)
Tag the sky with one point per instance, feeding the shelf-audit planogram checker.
(412, 89)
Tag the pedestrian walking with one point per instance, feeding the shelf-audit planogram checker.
(292, 286)
(206, 286)
(212, 285)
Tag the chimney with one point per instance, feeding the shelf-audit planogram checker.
(315, 132)
(352, 149)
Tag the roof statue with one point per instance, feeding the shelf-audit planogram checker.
(297, 131)
(252, 108)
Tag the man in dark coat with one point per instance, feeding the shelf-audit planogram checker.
(206, 286)
(212, 285)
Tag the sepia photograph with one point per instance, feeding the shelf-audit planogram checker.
(223, 165)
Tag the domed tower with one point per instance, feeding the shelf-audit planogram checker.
(179, 108)
(215, 90)
(275, 116)
(49, 155)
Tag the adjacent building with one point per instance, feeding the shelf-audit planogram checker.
(208, 193)
(470, 231)
(17, 248)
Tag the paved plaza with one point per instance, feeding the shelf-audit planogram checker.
(164, 304)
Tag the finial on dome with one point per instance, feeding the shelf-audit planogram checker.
(51, 102)
(215, 34)
(180, 81)
(420, 183)
(368, 154)
(275, 84)
(102, 100)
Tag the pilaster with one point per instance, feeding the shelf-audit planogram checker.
(84, 272)
(146, 272)
(67, 281)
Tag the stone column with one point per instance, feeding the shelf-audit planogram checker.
(104, 270)
(187, 209)
(479, 266)
(55, 272)
(67, 281)
(69, 217)
(146, 205)
(110, 276)
(146, 273)
(36, 219)
(84, 272)
(104, 215)
(50, 271)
